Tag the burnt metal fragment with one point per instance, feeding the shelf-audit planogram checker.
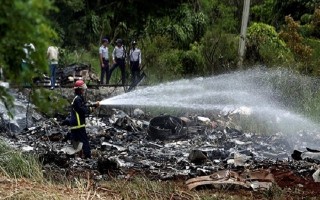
(106, 165)
(197, 156)
(166, 128)
(52, 157)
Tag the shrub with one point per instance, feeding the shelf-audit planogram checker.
(54, 103)
(16, 164)
(306, 30)
(265, 46)
(192, 61)
(290, 34)
(219, 52)
(158, 62)
(306, 19)
(316, 23)
(312, 68)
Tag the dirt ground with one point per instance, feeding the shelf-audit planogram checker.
(299, 185)
(288, 186)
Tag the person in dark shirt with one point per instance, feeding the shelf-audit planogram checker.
(77, 119)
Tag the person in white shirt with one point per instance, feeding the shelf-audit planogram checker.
(28, 49)
(135, 62)
(53, 58)
(104, 60)
(118, 57)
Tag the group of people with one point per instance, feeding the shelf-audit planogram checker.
(119, 57)
(79, 108)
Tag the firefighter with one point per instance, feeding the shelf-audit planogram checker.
(77, 119)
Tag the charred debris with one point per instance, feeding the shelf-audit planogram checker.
(198, 149)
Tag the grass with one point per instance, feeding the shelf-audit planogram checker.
(21, 177)
(275, 192)
(15, 164)
(145, 189)
(136, 188)
(20, 188)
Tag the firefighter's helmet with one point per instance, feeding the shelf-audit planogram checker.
(80, 84)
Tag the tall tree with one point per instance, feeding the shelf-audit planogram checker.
(23, 22)
(81, 22)
(294, 8)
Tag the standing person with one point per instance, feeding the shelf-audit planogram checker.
(104, 60)
(118, 57)
(135, 62)
(28, 49)
(52, 55)
(78, 115)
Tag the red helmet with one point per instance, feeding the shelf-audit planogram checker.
(80, 84)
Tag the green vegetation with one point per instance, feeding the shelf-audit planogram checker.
(23, 22)
(15, 164)
(178, 39)
(184, 39)
(53, 103)
(265, 46)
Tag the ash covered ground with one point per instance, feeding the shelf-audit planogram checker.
(126, 141)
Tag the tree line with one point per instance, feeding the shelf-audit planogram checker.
(183, 38)
(195, 37)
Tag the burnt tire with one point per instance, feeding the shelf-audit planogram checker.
(166, 127)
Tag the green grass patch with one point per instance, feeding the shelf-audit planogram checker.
(16, 164)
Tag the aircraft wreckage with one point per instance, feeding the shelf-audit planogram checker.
(203, 151)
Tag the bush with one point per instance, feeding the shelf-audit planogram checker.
(54, 103)
(265, 46)
(171, 63)
(16, 164)
(316, 23)
(192, 61)
(306, 30)
(219, 52)
(158, 62)
(294, 40)
(312, 68)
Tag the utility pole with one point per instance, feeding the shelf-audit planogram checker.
(244, 24)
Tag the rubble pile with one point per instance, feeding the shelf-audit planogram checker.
(24, 115)
(205, 151)
(66, 75)
(186, 147)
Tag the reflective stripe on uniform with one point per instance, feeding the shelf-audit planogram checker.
(78, 119)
